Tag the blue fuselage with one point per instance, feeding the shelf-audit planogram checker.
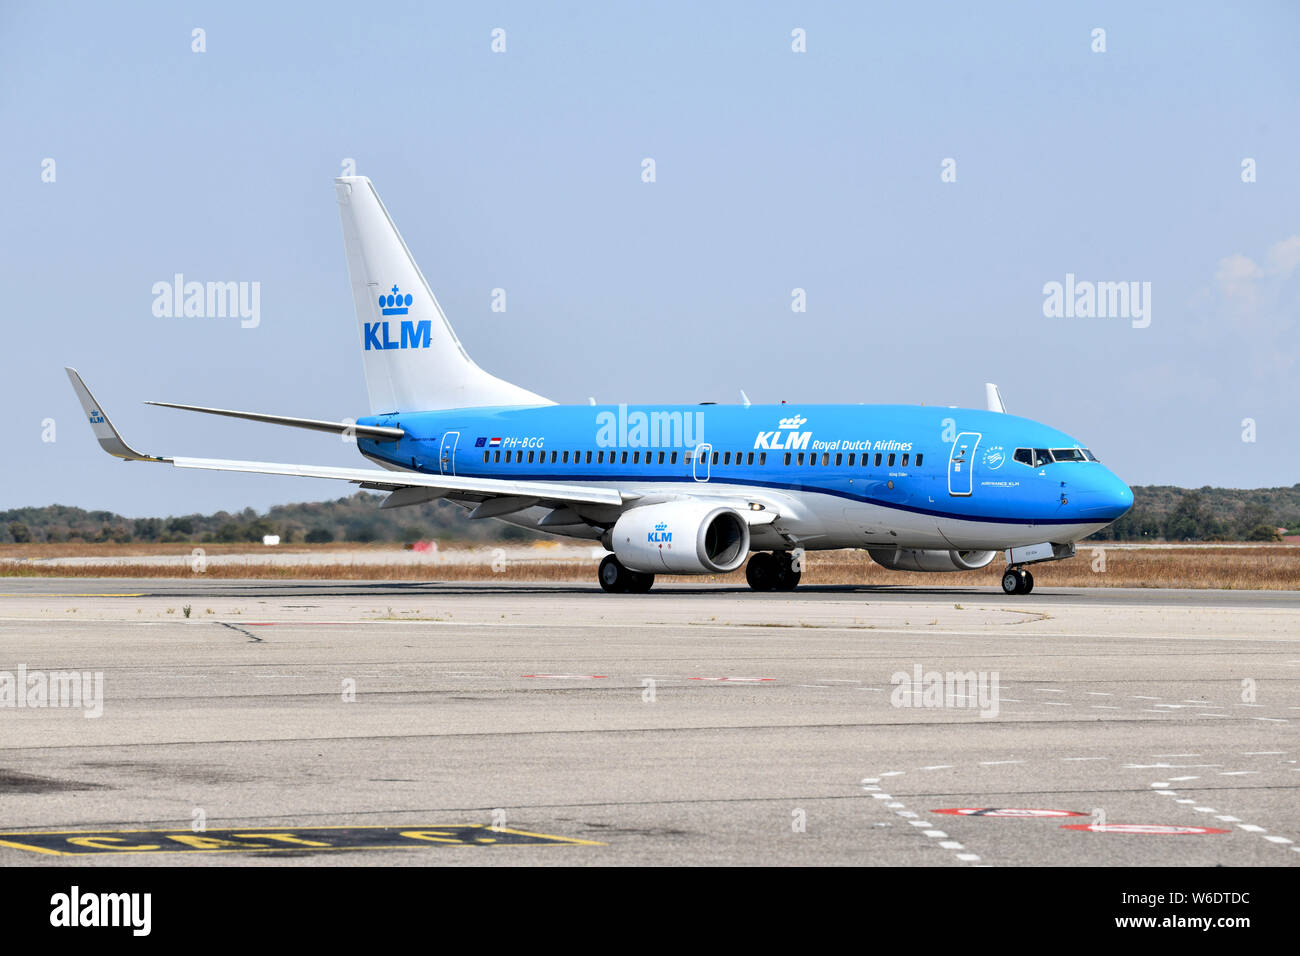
(933, 464)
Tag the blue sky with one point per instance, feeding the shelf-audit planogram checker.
(775, 170)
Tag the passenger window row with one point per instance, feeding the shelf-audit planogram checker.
(536, 456)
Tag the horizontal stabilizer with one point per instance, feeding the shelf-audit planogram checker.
(377, 432)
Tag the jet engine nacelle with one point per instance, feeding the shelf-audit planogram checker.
(912, 559)
(680, 537)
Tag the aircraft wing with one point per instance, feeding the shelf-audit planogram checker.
(505, 495)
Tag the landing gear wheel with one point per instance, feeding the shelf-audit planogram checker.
(613, 577)
(1011, 581)
(762, 572)
(787, 578)
(1029, 582)
(639, 582)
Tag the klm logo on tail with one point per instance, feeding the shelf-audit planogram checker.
(411, 335)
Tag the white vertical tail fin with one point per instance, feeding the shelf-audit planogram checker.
(412, 358)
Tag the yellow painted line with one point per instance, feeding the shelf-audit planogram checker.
(43, 595)
(34, 849)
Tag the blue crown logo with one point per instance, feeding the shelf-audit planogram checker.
(395, 304)
(661, 526)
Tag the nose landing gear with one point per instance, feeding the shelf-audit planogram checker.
(1017, 581)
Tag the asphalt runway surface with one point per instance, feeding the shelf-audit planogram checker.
(326, 722)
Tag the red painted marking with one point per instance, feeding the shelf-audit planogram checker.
(1006, 812)
(570, 676)
(1141, 828)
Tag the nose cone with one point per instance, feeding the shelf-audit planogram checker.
(1108, 498)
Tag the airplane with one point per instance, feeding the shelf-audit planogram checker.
(679, 489)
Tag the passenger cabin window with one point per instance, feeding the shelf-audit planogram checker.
(891, 459)
(905, 457)
(879, 458)
(799, 459)
(919, 456)
(726, 458)
(672, 459)
(826, 458)
(787, 458)
(496, 456)
(839, 459)
(715, 458)
(485, 456)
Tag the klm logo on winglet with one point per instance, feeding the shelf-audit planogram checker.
(411, 335)
(660, 533)
(96, 417)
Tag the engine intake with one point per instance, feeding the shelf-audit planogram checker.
(914, 559)
(681, 537)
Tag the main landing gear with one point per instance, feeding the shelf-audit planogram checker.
(617, 579)
(772, 571)
(1017, 581)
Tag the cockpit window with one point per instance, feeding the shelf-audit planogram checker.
(1025, 456)
(1068, 454)
(1042, 457)
(1090, 456)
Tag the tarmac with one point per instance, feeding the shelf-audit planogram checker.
(325, 722)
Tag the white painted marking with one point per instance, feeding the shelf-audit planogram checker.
(1278, 839)
(936, 834)
(1163, 784)
(1262, 753)
(881, 796)
(1142, 697)
(967, 857)
(1228, 818)
(907, 813)
(871, 780)
(1085, 758)
(997, 763)
(951, 845)
(939, 766)
(1184, 778)
(919, 823)
(1049, 690)
(871, 786)
(1250, 828)
(893, 773)
(1237, 773)
(1205, 809)
(894, 806)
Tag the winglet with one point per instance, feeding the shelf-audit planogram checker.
(105, 433)
(993, 398)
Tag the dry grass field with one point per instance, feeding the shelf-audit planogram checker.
(1240, 567)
